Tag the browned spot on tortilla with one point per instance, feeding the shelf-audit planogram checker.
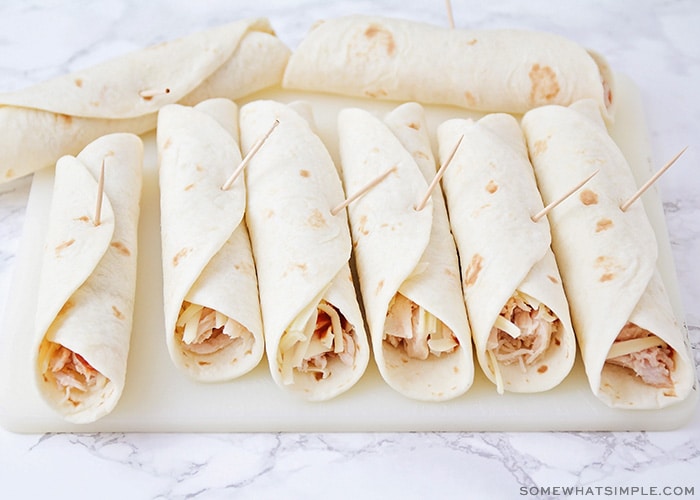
(78, 82)
(473, 41)
(450, 272)
(182, 253)
(542, 369)
(117, 313)
(199, 168)
(64, 245)
(189, 187)
(421, 155)
(606, 277)
(380, 285)
(540, 146)
(83, 218)
(609, 266)
(381, 37)
(553, 279)
(65, 119)
(168, 142)
(361, 226)
(455, 369)
(66, 307)
(414, 126)
(121, 248)
(545, 86)
(304, 173)
(588, 197)
(557, 341)
(9, 174)
(471, 100)
(473, 269)
(316, 219)
(269, 213)
(300, 265)
(492, 187)
(203, 363)
(376, 93)
(603, 225)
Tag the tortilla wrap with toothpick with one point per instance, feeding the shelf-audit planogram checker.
(60, 116)
(315, 340)
(633, 348)
(88, 280)
(212, 311)
(517, 309)
(406, 258)
(484, 70)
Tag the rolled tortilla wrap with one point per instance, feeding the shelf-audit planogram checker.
(512, 287)
(60, 116)
(406, 258)
(633, 348)
(486, 70)
(314, 334)
(88, 280)
(212, 310)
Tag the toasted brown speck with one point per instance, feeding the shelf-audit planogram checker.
(376, 93)
(553, 279)
(607, 277)
(65, 119)
(121, 248)
(540, 146)
(9, 174)
(83, 218)
(117, 313)
(304, 173)
(545, 86)
(64, 245)
(78, 82)
(588, 197)
(473, 41)
(491, 187)
(361, 226)
(473, 269)
(470, 99)
(542, 369)
(182, 253)
(414, 126)
(168, 142)
(603, 225)
(189, 187)
(199, 168)
(269, 214)
(380, 285)
(381, 37)
(316, 219)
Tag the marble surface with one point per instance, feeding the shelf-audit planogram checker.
(653, 42)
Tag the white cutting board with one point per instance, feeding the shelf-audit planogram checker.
(158, 398)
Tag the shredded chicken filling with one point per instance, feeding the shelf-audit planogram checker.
(523, 331)
(205, 331)
(645, 354)
(72, 374)
(412, 328)
(313, 341)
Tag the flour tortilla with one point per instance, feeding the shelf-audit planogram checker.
(88, 277)
(491, 196)
(485, 70)
(207, 258)
(607, 257)
(399, 250)
(302, 252)
(60, 116)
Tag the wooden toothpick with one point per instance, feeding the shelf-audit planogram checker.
(556, 202)
(651, 181)
(149, 94)
(363, 190)
(258, 144)
(438, 176)
(100, 192)
(450, 18)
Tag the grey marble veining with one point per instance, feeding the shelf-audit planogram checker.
(655, 43)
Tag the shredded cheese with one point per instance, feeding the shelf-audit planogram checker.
(634, 345)
(507, 326)
(496, 371)
(189, 312)
(335, 325)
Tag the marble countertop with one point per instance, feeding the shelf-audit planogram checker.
(655, 43)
